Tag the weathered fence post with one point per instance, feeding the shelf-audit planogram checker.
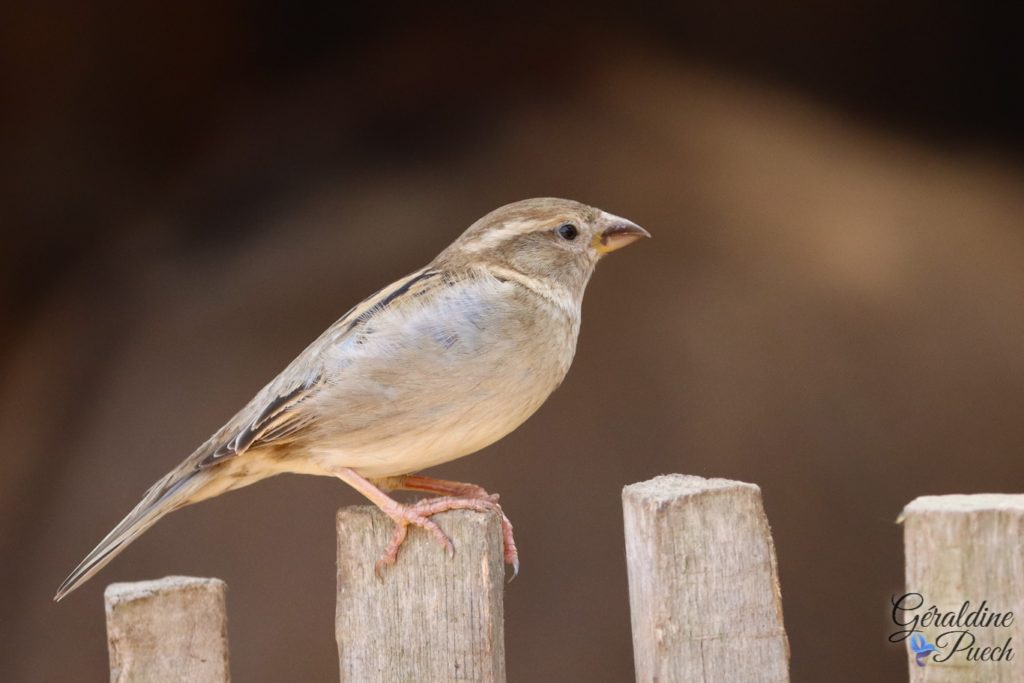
(433, 617)
(170, 629)
(962, 548)
(703, 584)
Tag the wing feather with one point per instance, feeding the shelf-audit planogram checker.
(278, 413)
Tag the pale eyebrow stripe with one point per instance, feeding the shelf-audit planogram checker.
(495, 237)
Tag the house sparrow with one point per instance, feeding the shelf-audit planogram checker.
(433, 367)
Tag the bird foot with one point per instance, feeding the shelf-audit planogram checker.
(419, 514)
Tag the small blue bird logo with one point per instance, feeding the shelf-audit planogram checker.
(922, 648)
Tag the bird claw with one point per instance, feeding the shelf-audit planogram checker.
(419, 514)
(515, 568)
(404, 517)
(511, 553)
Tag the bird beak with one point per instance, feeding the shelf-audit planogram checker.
(619, 234)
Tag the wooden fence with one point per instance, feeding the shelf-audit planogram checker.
(703, 589)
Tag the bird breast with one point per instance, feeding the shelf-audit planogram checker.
(441, 377)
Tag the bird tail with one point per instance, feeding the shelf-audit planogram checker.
(175, 490)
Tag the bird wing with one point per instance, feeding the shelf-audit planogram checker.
(277, 413)
(279, 418)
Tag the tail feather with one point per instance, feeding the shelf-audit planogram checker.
(174, 491)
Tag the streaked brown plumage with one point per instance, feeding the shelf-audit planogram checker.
(435, 366)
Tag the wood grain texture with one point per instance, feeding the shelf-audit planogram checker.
(170, 629)
(433, 617)
(960, 548)
(703, 584)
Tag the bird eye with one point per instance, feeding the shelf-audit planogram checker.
(568, 231)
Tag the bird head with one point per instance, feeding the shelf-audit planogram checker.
(546, 239)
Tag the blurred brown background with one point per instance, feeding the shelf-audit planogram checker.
(831, 306)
